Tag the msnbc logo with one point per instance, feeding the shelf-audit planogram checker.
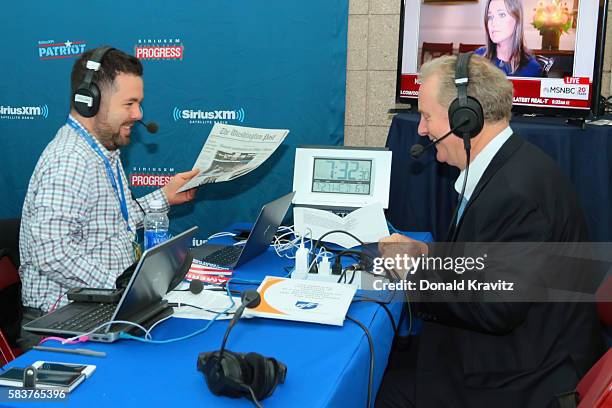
(24, 112)
(208, 117)
(49, 49)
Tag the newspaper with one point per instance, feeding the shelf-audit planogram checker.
(233, 151)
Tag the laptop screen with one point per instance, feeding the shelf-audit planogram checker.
(156, 271)
(270, 217)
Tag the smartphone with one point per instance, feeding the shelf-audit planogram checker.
(50, 375)
(95, 295)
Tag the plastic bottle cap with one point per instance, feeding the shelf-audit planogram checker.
(157, 204)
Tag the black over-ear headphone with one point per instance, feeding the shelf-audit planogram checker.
(87, 95)
(236, 374)
(465, 112)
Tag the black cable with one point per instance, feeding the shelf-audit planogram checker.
(201, 308)
(395, 275)
(384, 306)
(371, 343)
(338, 232)
(138, 204)
(342, 275)
(219, 289)
(352, 276)
(392, 276)
(349, 252)
(363, 245)
(320, 240)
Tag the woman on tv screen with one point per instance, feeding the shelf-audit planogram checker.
(503, 21)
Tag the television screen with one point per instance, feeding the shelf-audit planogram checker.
(548, 48)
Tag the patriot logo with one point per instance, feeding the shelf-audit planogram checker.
(50, 49)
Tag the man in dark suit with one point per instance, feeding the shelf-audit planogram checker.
(494, 354)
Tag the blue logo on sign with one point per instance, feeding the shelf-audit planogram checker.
(306, 305)
(208, 117)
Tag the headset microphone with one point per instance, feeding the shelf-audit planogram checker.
(152, 127)
(418, 149)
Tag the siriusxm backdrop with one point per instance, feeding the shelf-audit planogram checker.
(259, 63)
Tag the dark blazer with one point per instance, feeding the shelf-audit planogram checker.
(509, 354)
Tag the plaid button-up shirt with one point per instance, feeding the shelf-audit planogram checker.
(72, 231)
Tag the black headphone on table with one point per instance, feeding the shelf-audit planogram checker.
(87, 95)
(465, 113)
(237, 375)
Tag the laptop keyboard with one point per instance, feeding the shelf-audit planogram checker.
(226, 256)
(89, 320)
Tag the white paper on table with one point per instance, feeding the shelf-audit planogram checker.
(207, 299)
(303, 300)
(367, 223)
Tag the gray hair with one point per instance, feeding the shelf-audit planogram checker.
(487, 84)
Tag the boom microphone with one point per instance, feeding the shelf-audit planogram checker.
(250, 299)
(418, 149)
(152, 127)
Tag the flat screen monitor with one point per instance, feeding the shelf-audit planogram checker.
(557, 70)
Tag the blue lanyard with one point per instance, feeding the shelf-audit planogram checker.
(109, 171)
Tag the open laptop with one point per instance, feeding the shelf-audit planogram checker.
(232, 256)
(159, 270)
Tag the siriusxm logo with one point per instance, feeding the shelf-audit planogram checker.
(208, 117)
(49, 49)
(24, 112)
(305, 305)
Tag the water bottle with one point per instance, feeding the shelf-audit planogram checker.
(156, 224)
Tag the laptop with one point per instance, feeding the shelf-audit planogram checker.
(233, 256)
(159, 270)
